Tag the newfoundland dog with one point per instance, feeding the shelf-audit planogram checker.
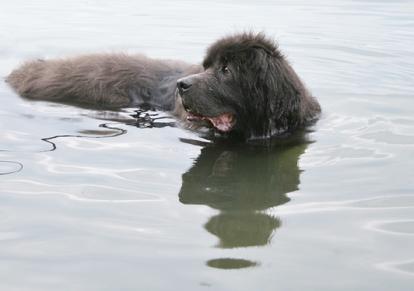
(245, 88)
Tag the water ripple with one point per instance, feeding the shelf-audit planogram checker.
(374, 203)
(103, 134)
(84, 193)
(394, 227)
(10, 167)
(66, 169)
(26, 141)
(389, 137)
(403, 267)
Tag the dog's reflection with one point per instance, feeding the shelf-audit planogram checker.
(239, 180)
(242, 182)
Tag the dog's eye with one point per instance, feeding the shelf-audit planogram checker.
(225, 70)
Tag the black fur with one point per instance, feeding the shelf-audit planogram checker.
(246, 75)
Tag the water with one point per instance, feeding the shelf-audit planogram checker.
(88, 201)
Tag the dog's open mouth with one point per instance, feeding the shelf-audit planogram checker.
(223, 122)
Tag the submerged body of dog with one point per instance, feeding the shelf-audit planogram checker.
(245, 88)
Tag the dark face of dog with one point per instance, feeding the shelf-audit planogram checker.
(211, 95)
(247, 89)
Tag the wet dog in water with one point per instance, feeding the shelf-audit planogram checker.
(244, 88)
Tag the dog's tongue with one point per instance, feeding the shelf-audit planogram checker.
(222, 122)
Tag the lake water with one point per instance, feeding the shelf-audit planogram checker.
(89, 201)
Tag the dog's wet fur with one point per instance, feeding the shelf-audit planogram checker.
(244, 89)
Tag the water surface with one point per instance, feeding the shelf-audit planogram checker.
(91, 201)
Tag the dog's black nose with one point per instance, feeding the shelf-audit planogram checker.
(183, 84)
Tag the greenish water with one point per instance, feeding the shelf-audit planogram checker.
(90, 201)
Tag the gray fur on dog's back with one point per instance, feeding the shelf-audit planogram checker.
(112, 80)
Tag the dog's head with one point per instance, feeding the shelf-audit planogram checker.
(247, 87)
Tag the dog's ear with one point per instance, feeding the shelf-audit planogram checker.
(257, 63)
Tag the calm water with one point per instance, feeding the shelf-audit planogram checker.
(88, 201)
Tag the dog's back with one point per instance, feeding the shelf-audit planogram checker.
(109, 80)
